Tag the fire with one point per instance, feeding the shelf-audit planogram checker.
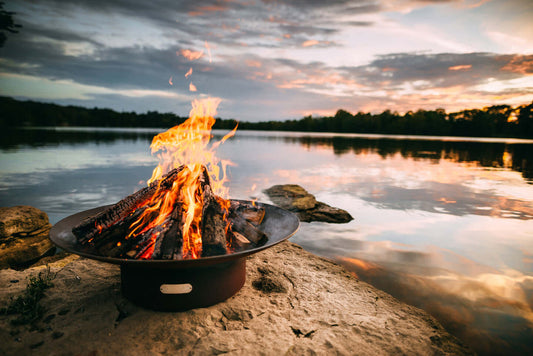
(185, 145)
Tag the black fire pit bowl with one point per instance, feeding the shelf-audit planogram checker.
(177, 285)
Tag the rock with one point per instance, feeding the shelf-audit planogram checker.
(292, 303)
(24, 236)
(296, 199)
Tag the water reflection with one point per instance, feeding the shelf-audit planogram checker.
(515, 156)
(450, 199)
(492, 312)
(38, 137)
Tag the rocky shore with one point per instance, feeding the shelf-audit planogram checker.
(293, 302)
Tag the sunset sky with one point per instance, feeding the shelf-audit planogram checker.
(271, 60)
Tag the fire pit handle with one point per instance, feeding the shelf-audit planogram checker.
(183, 288)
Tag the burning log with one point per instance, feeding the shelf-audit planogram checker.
(138, 227)
(170, 246)
(213, 225)
(93, 226)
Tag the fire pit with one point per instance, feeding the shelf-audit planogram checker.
(176, 285)
(180, 242)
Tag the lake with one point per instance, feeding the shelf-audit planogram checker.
(445, 224)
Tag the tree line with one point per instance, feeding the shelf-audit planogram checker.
(493, 121)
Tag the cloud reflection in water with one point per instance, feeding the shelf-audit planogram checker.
(445, 230)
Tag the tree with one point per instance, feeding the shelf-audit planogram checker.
(6, 24)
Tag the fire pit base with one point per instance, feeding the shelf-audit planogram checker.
(168, 289)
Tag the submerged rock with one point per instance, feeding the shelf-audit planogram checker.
(292, 303)
(296, 199)
(24, 236)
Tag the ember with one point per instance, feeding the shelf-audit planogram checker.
(181, 214)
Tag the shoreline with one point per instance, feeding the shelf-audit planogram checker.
(293, 302)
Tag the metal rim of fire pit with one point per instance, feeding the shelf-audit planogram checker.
(278, 224)
(178, 285)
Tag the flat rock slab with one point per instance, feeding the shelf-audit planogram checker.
(292, 303)
(296, 199)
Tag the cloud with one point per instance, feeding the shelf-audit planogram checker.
(519, 64)
(461, 67)
(263, 52)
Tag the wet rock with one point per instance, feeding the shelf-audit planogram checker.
(307, 319)
(24, 236)
(296, 199)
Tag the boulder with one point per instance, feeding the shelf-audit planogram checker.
(24, 236)
(296, 199)
(293, 303)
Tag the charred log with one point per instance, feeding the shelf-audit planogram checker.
(247, 229)
(238, 242)
(213, 225)
(91, 227)
(249, 211)
(124, 230)
(169, 245)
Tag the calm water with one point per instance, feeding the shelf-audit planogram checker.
(445, 224)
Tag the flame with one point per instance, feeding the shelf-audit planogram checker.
(186, 146)
(192, 87)
(189, 72)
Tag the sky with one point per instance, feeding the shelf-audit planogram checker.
(271, 60)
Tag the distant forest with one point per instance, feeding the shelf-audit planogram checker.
(494, 121)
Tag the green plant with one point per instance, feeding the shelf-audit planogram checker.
(27, 304)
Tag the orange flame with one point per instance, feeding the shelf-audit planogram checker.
(185, 145)
(192, 87)
(189, 72)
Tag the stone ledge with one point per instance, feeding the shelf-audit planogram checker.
(293, 302)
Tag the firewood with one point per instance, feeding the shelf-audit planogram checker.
(247, 229)
(238, 241)
(123, 230)
(213, 224)
(249, 211)
(169, 245)
(92, 226)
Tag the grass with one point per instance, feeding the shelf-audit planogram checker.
(27, 304)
